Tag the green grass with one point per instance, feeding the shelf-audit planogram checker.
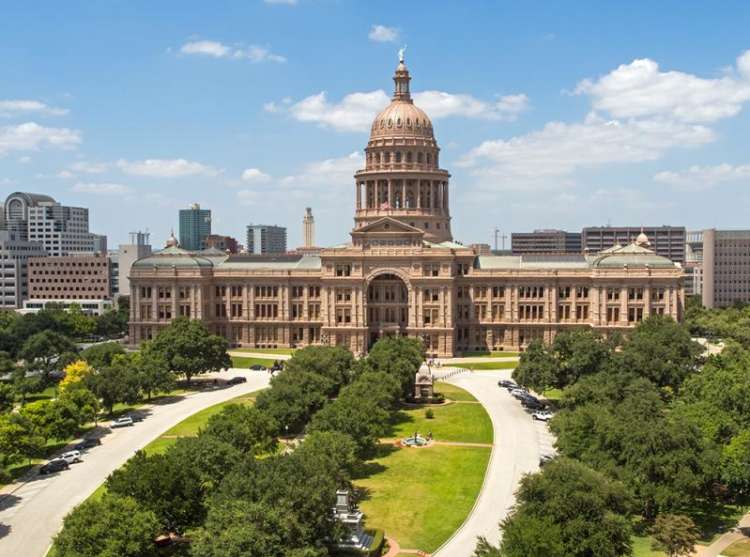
(500, 354)
(552, 394)
(421, 496)
(246, 362)
(47, 394)
(487, 366)
(463, 423)
(642, 547)
(286, 351)
(454, 393)
(738, 549)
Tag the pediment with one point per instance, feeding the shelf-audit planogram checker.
(388, 225)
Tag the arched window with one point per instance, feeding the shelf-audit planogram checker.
(420, 157)
(398, 156)
(387, 157)
(408, 156)
(377, 158)
(429, 158)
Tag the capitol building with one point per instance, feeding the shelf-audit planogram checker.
(402, 272)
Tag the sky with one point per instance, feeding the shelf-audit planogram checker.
(548, 114)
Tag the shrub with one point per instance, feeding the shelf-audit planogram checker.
(429, 414)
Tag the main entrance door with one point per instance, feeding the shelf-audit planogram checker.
(387, 307)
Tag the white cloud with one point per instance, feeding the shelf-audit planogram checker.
(215, 49)
(439, 104)
(166, 168)
(255, 175)
(101, 188)
(559, 148)
(20, 106)
(356, 111)
(24, 160)
(704, 177)
(640, 89)
(85, 167)
(31, 136)
(383, 34)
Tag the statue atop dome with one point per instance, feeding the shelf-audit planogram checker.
(401, 53)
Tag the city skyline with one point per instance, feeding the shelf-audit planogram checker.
(556, 121)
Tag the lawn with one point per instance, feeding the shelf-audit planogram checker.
(452, 392)
(421, 496)
(642, 547)
(246, 362)
(738, 549)
(500, 354)
(458, 422)
(277, 351)
(487, 366)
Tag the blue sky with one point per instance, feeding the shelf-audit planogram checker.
(548, 115)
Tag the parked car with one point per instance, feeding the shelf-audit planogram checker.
(507, 383)
(519, 393)
(542, 415)
(122, 422)
(545, 458)
(88, 443)
(237, 380)
(71, 457)
(258, 367)
(54, 465)
(135, 417)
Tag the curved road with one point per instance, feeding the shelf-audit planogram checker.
(32, 513)
(518, 443)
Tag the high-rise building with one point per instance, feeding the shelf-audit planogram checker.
(62, 230)
(726, 267)
(14, 254)
(308, 224)
(221, 243)
(265, 238)
(545, 242)
(667, 241)
(69, 277)
(195, 226)
(127, 254)
(100, 243)
(694, 263)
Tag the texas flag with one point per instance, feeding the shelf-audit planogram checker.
(385, 205)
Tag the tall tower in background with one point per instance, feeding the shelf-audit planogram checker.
(195, 226)
(308, 224)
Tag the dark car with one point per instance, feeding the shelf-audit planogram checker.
(258, 367)
(237, 380)
(88, 443)
(532, 403)
(507, 383)
(54, 465)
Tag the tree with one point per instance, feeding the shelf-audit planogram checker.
(81, 324)
(334, 362)
(400, 357)
(188, 348)
(40, 415)
(102, 355)
(115, 383)
(18, 438)
(166, 485)
(293, 398)
(152, 372)
(109, 527)
(660, 350)
(333, 450)
(538, 368)
(85, 402)
(7, 397)
(75, 373)
(674, 534)
(568, 510)
(209, 457)
(580, 352)
(735, 463)
(42, 352)
(245, 428)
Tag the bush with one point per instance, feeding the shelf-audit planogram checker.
(429, 414)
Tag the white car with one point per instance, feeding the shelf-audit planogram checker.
(122, 422)
(518, 393)
(542, 415)
(71, 456)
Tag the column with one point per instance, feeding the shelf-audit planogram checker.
(390, 194)
(174, 301)
(419, 194)
(624, 305)
(155, 303)
(403, 194)
(359, 195)
(445, 197)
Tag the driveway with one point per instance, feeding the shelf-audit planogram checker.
(32, 513)
(517, 445)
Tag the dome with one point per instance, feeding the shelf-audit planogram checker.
(402, 118)
(172, 242)
(642, 239)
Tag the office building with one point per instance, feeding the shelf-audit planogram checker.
(69, 277)
(195, 226)
(545, 241)
(14, 255)
(264, 238)
(401, 272)
(222, 243)
(666, 241)
(693, 265)
(726, 267)
(127, 254)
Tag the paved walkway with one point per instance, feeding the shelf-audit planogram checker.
(517, 445)
(264, 355)
(32, 513)
(742, 532)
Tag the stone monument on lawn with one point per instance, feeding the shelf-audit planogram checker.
(353, 520)
(424, 383)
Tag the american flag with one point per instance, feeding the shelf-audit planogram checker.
(385, 205)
